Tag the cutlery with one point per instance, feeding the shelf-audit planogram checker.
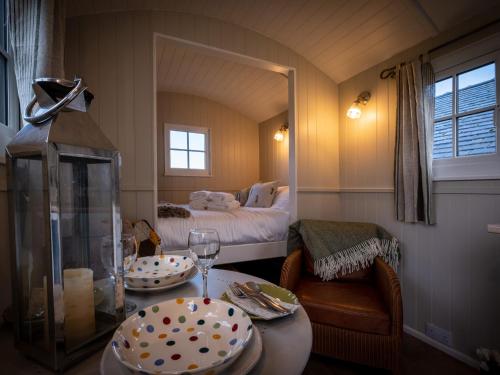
(256, 288)
(270, 303)
(241, 294)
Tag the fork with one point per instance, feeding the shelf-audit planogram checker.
(241, 294)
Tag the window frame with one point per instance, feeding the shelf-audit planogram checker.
(468, 167)
(187, 172)
(9, 129)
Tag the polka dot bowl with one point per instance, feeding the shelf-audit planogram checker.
(182, 336)
(159, 270)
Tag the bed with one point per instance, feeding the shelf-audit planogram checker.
(246, 233)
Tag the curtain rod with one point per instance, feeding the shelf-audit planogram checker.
(391, 72)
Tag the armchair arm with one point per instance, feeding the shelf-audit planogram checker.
(290, 271)
(388, 285)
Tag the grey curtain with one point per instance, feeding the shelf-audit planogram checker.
(413, 156)
(36, 32)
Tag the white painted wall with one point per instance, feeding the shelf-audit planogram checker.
(451, 271)
(274, 156)
(113, 51)
(5, 285)
(234, 141)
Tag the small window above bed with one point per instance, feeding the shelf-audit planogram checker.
(187, 150)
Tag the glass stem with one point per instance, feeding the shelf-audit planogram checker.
(205, 282)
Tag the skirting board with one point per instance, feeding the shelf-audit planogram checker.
(446, 349)
(246, 252)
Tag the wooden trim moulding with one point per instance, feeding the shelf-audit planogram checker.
(446, 349)
(343, 190)
(125, 187)
(160, 188)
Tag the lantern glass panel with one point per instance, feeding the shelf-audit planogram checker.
(88, 256)
(33, 256)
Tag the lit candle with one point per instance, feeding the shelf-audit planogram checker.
(79, 312)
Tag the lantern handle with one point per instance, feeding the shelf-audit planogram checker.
(44, 116)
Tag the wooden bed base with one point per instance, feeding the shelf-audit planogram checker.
(245, 252)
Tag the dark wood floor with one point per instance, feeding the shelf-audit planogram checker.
(418, 358)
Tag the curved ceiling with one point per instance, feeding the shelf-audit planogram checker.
(340, 37)
(258, 94)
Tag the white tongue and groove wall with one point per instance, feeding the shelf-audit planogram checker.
(450, 272)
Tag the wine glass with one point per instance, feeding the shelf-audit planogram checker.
(129, 249)
(204, 246)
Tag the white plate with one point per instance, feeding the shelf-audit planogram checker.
(158, 270)
(242, 366)
(186, 335)
(194, 271)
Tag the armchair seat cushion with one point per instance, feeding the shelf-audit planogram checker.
(344, 304)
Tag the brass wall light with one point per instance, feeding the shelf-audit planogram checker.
(280, 134)
(354, 110)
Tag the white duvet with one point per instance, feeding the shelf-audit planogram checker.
(242, 225)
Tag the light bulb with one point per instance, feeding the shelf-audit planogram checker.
(278, 136)
(354, 111)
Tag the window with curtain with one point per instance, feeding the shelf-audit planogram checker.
(9, 104)
(464, 117)
(187, 151)
(4, 59)
(466, 138)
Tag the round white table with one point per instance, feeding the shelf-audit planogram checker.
(286, 342)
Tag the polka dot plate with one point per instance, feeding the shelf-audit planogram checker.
(158, 271)
(182, 336)
(146, 289)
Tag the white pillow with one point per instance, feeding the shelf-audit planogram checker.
(262, 194)
(281, 201)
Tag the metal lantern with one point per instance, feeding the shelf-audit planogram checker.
(63, 182)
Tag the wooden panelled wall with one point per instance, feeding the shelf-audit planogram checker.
(5, 289)
(114, 53)
(451, 271)
(234, 146)
(273, 155)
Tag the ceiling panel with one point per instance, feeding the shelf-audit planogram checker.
(332, 34)
(335, 35)
(256, 93)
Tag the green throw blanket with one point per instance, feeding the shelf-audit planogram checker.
(339, 248)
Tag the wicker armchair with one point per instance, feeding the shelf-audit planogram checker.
(356, 320)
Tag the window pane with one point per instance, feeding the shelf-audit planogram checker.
(196, 160)
(477, 134)
(178, 139)
(443, 140)
(178, 159)
(197, 141)
(476, 88)
(3, 25)
(3, 90)
(443, 95)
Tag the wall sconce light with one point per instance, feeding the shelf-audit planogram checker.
(280, 134)
(354, 110)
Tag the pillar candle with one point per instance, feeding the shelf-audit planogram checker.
(79, 311)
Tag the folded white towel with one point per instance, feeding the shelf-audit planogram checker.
(223, 206)
(202, 194)
(198, 204)
(221, 197)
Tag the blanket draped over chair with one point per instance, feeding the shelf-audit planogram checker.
(339, 248)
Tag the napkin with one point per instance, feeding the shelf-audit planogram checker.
(253, 308)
